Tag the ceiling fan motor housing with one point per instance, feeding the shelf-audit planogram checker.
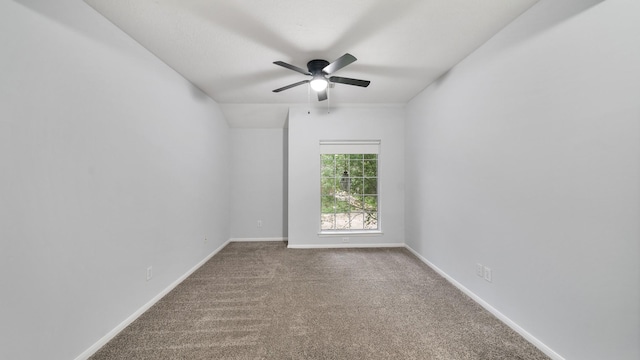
(316, 66)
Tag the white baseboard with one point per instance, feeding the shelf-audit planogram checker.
(510, 323)
(105, 339)
(258, 239)
(347, 245)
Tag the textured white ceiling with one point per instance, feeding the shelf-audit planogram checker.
(227, 48)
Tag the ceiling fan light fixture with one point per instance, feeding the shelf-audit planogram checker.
(318, 83)
(319, 69)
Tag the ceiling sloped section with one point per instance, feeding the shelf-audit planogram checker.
(227, 48)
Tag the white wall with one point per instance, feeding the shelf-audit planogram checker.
(525, 157)
(346, 123)
(110, 162)
(258, 184)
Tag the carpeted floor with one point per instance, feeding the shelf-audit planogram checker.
(263, 301)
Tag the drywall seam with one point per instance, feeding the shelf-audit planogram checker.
(111, 334)
(510, 323)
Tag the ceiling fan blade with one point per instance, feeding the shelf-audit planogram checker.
(341, 62)
(322, 95)
(292, 67)
(348, 81)
(290, 86)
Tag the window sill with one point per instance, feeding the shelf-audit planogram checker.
(350, 233)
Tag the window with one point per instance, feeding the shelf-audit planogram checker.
(349, 186)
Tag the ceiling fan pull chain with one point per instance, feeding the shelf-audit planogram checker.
(308, 99)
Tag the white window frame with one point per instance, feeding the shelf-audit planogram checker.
(352, 147)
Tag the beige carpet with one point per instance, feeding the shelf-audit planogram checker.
(263, 301)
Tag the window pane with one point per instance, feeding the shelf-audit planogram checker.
(327, 158)
(328, 203)
(357, 204)
(355, 168)
(342, 206)
(370, 203)
(328, 171)
(370, 186)
(342, 222)
(370, 168)
(328, 164)
(370, 222)
(342, 163)
(328, 186)
(328, 222)
(357, 221)
(357, 186)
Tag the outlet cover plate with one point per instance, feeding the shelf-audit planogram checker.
(479, 270)
(487, 274)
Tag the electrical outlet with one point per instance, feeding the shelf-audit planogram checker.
(345, 240)
(487, 274)
(149, 273)
(479, 270)
(259, 223)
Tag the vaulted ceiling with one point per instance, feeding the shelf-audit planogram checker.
(227, 48)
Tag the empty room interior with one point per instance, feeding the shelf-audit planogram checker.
(492, 147)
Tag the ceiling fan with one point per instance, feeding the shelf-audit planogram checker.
(319, 70)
